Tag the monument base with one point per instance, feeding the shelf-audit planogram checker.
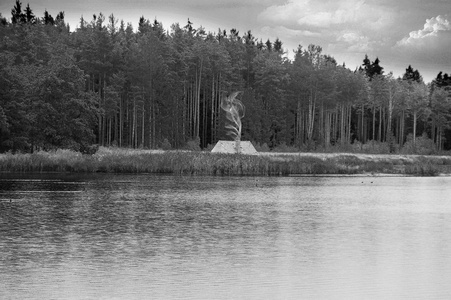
(234, 147)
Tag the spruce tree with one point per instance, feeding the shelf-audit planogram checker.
(278, 45)
(30, 17)
(48, 19)
(372, 69)
(268, 45)
(17, 16)
(412, 75)
(376, 69)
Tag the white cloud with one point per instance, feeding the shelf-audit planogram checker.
(325, 19)
(352, 42)
(284, 14)
(349, 29)
(351, 37)
(283, 31)
(351, 26)
(324, 14)
(431, 30)
(429, 45)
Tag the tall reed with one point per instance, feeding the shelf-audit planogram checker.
(116, 160)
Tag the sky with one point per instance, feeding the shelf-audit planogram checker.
(400, 33)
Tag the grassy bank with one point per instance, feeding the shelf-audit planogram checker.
(115, 160)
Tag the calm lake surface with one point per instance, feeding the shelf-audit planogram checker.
(172, 237)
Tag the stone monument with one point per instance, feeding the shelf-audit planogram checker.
(234, 109)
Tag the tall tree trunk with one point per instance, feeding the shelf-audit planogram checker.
(198, 99)
(142, 127)
(362, 132)
(100, 114)
(380, 124)
(389, 132)
(327, 128)
(133, 122)
(414, 126)
(374, 122)
(120, 120)
(299, 128)
(213, 110)
(321, 122)
(153, 112)
(311, 114)
(348, 135)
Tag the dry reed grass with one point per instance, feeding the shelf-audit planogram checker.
(117, 160)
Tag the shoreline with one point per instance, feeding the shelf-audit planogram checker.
(120, 160)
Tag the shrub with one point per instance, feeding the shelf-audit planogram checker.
(166, 145)
(422, 168)
(375, 147)
(261, 147)
(209, 147)
(89, 149)
(357, 146)
(422, 146)
(283, 147)
(308, 146)
(338, 147)
(193, 145)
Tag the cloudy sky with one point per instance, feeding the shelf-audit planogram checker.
(401, 32)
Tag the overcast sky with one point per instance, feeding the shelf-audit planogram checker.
(399, 32)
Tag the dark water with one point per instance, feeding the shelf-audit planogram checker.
(165, 237)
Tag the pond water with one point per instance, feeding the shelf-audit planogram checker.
(173, 237)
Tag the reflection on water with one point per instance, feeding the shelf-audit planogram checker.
(165, 237)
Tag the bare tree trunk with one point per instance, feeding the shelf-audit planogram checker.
(198, 100)
(374, 122)
(363, 124)
(100, 114)
(348, 138)
(342, 124)
(133, 122)
(299, 123)
(327, 127)
(153, 112)
(142, 126)
(311, 114)
(213, 110)
(321, 122)
(204, 120)
(414, 126)
(103, 104)
(390, 115)
(380, 124)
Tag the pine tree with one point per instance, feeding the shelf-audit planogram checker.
(366, 65)
(412, 75)
(30, 17)
(3, 20)
(376, 69)
(48, 19)
(268, 45)
(372, 69)
(278, 46)
(17, 16)
(442, 80)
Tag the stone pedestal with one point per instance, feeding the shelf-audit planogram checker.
(234, 147)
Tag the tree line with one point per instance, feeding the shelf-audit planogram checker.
(108, 84)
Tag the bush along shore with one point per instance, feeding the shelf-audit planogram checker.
(117, 160)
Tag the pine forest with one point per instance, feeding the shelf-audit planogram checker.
(108, 84)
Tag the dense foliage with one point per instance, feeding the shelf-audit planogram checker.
(107, 84)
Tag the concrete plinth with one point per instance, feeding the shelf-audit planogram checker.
(234, 147)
